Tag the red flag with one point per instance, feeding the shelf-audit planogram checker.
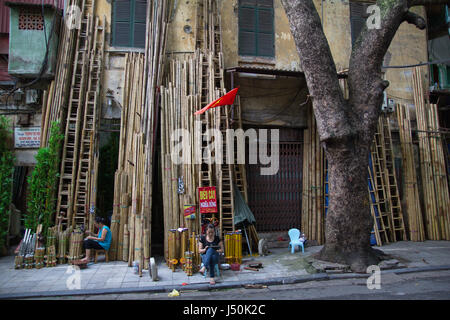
(227, 99)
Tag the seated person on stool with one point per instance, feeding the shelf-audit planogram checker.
(210, 246)
(101, 242)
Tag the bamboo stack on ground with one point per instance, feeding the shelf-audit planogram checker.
(76, 245)
(412, 199)
(439, 171)
(313, 211)
(437, 228)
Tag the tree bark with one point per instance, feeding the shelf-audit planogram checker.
(346, 127)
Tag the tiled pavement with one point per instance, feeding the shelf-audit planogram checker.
(117, 275)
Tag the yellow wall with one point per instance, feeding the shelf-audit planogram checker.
(408, 47)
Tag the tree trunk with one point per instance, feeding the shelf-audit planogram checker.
(349, 222)
(346, 126)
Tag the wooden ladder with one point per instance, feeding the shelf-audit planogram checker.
(378, 167)
(76, 101)
(240, 176)
(379, 228)
(89, 132)
(398, 225)
(225, 177)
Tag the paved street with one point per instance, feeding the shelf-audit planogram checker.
(412, 286)
(287, 276)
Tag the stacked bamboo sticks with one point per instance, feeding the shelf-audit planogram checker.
(76, 245)
(412, 199)
(439, 171)
(233, 247)
(55, 98)
(435, 188)
(131, 220)
(313, 214)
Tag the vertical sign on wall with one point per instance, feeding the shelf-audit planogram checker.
(208, 199)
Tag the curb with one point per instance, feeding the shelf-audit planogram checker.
(218, 286)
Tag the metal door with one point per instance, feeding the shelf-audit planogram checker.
(276, 200)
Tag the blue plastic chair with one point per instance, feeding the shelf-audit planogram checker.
(294, 234)
(216, 270)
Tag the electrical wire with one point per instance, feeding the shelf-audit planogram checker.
(417, 65)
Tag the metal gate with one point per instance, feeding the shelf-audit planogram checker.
(276, 200)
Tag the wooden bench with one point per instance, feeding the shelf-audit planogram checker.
(101, 251)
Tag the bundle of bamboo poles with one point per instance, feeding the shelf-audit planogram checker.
(172, 260)
(63, 242)
(55, 97)
(51, 247)
(39, 257)
(313, 213)
(431, 164)
(439, 171)
(76, 245)
(412, 199)
(193, 248)
(131, 220)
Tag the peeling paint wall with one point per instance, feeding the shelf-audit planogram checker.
(408, 46)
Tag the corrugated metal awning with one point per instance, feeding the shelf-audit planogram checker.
(4, 10)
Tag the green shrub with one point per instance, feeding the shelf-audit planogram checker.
(6, 178)
(43, 183)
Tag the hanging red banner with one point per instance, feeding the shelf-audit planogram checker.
(208, 200)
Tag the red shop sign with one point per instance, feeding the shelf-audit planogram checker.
(208, 199)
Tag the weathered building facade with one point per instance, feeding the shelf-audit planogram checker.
(259, 56)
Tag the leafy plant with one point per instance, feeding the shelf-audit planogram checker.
(43, 183)
(6, 180)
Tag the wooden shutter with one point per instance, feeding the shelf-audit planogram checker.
(247, 3)
(357, 20)
(256, 30)
(122, 23)
(265, 3)
(265, 40)
(140, 13)
(247, 31)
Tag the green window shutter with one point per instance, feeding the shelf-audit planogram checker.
(265, 3)
(140, 13)
(256, 28)
(129, 23)
(247, 3)
(247, 31)
(357, 20)
(265, 37)
(122, 23)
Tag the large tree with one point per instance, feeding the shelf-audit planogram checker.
(347, 126)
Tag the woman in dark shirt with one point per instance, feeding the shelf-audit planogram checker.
(210, 246)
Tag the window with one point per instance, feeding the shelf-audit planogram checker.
(256, 28)
(128, 23)
(358, 16)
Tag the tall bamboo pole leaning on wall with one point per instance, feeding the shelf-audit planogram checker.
(412, 199)
(435, 230)
(439, 171)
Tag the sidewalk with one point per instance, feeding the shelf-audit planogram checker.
(279, 267)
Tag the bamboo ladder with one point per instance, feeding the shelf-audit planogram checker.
(84, 183)
(71, 138)
(393, 196)
(376, 178)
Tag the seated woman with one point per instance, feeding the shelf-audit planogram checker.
(102, 241)
(210, 246)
